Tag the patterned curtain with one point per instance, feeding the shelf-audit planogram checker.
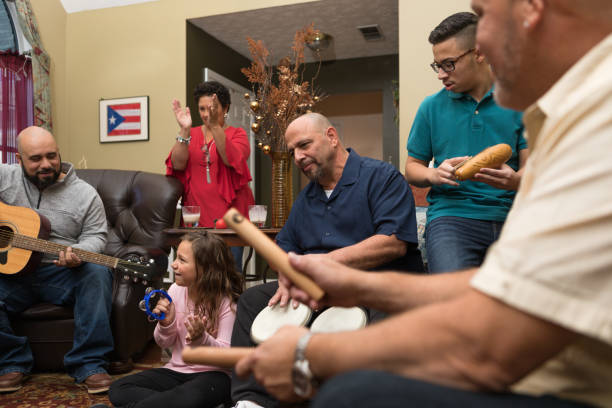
(41, 64)
(16, 105)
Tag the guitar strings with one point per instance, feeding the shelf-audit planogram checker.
(39, 245)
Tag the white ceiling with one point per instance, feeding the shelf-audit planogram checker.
(74, 6)
(276, 26)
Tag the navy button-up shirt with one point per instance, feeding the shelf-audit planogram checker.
(370, 198)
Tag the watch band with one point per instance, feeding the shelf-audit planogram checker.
(300, 347)
(301, 375)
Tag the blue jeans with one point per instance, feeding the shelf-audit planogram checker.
(237, 254)
(455, 243)
(375, 389)
(88, 289)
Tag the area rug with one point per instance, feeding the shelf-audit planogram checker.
(51, 390)
(58, 390)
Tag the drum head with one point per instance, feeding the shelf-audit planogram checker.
(270, 319)
(337, 319)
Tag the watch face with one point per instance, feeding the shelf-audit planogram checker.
(302, 378)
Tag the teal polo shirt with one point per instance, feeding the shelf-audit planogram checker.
(450, 124)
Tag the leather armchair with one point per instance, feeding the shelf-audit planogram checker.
(139, 206)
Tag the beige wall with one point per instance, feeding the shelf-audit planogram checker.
(140, 50)
(417, 80)
(118, 52)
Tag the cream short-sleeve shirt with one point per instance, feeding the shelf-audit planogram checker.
(554, 256)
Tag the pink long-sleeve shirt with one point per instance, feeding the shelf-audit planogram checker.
(173, 335)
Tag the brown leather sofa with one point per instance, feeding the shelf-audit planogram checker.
(138, 207)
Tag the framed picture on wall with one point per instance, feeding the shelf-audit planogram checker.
(124, 119)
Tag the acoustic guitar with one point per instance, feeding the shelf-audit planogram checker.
(23, 241)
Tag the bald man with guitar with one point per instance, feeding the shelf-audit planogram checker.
(42, 195)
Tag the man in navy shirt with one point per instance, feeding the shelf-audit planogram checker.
(357, 210)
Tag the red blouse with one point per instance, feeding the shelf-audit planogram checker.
(229, 184)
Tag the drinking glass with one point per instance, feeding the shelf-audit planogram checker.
(257, 214)
(191, 215)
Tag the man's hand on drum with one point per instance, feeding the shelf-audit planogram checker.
(445, 172)
(271, 363)
(195, 327)
(282, 296)
(337, 280)
(165, 306)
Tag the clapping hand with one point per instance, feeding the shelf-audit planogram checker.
(195, 327)
(183, 116)
(215, 113)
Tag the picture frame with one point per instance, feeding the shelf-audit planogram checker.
(124, 119)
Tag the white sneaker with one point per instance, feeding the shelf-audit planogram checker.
(247, 404)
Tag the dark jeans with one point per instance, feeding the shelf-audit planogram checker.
(455, 243)
(237, 254)
(373, 389)
(88, 289)
(162, 387)
(250, 303)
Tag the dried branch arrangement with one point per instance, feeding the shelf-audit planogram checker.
(281, 93)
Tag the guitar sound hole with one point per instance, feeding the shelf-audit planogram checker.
(6, 237)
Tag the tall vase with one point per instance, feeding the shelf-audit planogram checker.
(282, 188)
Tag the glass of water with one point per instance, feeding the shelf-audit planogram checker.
(258, 214)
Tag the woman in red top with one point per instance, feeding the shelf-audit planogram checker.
(210, 160)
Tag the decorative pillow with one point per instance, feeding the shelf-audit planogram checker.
(421, 218)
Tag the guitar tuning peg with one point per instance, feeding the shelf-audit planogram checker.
(142, 305)
(151, 261)
(148, 290)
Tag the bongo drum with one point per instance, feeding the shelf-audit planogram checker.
(272, 318)
(336, 319)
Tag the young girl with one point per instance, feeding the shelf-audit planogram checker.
(202, 312)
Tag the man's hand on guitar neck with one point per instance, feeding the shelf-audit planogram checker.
(68, 259)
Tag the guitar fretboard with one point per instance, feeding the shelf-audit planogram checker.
(48, 247)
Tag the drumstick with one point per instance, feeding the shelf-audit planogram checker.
(276, 257)
(215, 356)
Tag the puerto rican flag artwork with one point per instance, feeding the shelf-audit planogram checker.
(123, 119)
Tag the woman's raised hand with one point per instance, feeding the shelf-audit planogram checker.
(183, 116)
(215, 113)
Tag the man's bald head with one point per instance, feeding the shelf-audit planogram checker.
(39, 156)
(34, 136)
(311, 121)
(316, 148)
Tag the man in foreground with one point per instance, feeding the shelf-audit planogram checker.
(531, 327)
(76, 214)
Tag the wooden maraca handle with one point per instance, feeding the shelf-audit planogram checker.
(215, 356)
(276, 257)
(493, 157)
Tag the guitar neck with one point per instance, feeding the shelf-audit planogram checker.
(48, 247)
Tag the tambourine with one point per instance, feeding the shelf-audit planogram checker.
(146, 307)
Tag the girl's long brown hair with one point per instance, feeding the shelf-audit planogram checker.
(216, 276)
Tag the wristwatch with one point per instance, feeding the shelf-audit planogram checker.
(181, 139)
(303, 380)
